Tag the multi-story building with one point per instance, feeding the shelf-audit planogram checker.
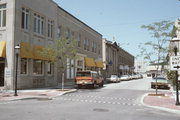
(36, 24)
(116, 60)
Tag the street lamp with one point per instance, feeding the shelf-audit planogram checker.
(17, 51)
(175, 46)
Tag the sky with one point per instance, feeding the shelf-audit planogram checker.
(122, 19)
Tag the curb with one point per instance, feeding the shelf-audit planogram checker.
(42, 97)
(157, 107)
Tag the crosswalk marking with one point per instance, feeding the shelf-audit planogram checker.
(99, 102)
(112, 98)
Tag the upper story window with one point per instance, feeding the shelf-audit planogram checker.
(79, 40)
(50, 28)
(99, 50)
(87, 44)
(25, 18)
(3, 15)
(59, 31)
(38, 24)
(92, 46)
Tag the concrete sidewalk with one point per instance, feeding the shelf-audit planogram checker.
(165, 101)
(48, 93)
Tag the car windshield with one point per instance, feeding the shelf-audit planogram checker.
(160, 79)
(124, 76)
(83, 74)
(113, 76)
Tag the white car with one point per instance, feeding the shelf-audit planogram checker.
(113, 78)
(124, 77)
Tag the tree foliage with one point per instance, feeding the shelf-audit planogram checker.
(60, 50)
(171, 75)
(156, 51)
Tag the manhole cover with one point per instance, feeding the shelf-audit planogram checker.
(101, 110)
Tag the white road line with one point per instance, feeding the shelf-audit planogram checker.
(112, 98)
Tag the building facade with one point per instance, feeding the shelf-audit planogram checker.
(140, 67)
(116, 60)
(31, 25)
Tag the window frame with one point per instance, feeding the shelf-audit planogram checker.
(42, 68)
(3, 15)
(39, 22)
(50, 28)
(25, 18)
(26, 73)
(50, 66)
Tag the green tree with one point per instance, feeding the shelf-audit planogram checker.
(156, 51)
(59, 51)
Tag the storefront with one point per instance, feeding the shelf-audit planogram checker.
(2, 61)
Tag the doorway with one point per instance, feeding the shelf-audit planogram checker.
(2, 65)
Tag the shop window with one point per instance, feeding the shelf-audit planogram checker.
(50, 68)
(24, 66)
(37, 67)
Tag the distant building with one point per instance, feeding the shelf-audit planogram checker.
(116, 60)
(159, 69)
(140, 66)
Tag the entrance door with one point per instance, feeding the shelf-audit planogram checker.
(2, 65)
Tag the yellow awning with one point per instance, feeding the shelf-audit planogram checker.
(42, 53)
(99, 64)
(89, 62)
(26, 50)
(37, 52)
(2, 48)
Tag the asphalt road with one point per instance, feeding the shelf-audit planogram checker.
(116, 101)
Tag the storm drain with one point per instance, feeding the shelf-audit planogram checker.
(100, 110)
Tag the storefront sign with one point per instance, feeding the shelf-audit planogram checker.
(8, 73)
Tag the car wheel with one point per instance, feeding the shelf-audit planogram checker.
(93, 85)
(79, 86)
(102, 84)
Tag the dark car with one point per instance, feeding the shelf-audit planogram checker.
(161, 83)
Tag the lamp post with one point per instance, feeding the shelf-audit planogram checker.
(175, 45)
(17, 51)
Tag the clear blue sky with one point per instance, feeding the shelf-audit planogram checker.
(122, 19)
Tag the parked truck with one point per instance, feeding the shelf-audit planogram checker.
(89, 79)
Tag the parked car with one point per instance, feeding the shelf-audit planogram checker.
(89, 78)
(113, 78)
(161, 83)
(124, 77)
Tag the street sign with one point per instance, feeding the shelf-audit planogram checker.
(175, 63)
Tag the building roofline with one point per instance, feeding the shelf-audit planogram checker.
(75, 17)
(112, 43)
